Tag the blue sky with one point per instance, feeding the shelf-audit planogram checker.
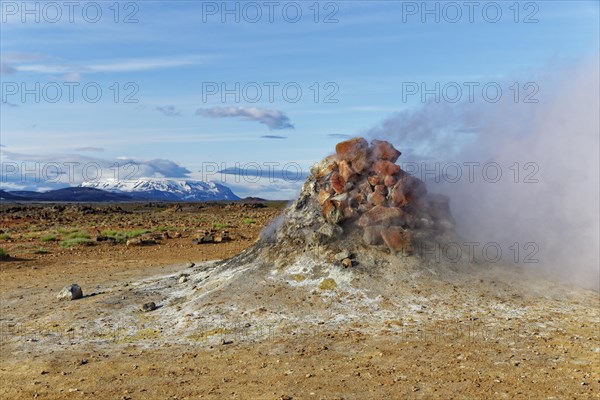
(361, 59)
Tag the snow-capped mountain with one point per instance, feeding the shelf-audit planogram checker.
(165, 189)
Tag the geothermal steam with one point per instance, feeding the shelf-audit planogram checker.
(546, 200)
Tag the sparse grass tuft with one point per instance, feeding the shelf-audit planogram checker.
(218, 225)
(136, 232)
(49, 238)
(249, 221)
(79, 241)
(64, 231)
(77, 235)
(41, 250)
(122, 236)
(4, 236)
(3, 253)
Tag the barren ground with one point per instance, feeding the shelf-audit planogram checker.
(479, 336)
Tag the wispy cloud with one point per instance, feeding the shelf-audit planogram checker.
(274, 119)
(339, 136)
(35, 63)
(273, 137)
(134, 65)
(90, 148)
(169, 111)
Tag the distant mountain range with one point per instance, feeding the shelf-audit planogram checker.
(144, 189)
(66, 194)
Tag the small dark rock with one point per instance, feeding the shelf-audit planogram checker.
(147, 307)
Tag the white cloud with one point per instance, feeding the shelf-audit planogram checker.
(274, 119)
(35, 63)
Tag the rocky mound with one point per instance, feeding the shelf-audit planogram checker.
(343, 256)
(360, 197)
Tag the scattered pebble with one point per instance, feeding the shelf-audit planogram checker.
(342, 255)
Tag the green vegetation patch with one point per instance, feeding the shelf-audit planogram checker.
(49, 238)
(77, 235)
(65, 231)
(41, 250)
(80, 241)
(123, 236)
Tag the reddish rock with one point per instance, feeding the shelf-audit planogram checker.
(377, 199)
(346, 171)
(350, 212)
(323, 196)
(383, 168)
(356, 152)
(349, 150)
(389, 181)
(357, 197)
(406, 190)
(362, 162)
(383, 150)
(399, 198)
(363, 208)
(365, 188)
(381, 189)
(397, 239)
(337, 182)
(347, 211)
(331, 213)
(374, 180)
(372, 235)
(380, 215)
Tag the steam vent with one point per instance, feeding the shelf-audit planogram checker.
(359, 197)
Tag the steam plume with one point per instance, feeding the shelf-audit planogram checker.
(554, 141)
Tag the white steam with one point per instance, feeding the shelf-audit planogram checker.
(554, 142)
